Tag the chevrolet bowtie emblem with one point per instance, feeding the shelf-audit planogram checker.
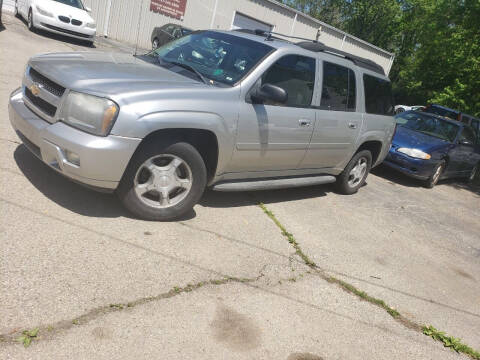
(34, 89)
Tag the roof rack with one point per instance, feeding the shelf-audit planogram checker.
(317, 46)
(357, 60)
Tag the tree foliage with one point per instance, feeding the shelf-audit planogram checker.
(436, 42)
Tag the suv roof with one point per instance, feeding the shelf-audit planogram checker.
(311, 45)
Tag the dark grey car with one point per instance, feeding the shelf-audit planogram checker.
(227, 110)
(166, 33)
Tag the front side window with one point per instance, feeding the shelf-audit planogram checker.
(296, 75)
(378, 95)
(338, 88)
(219, 57)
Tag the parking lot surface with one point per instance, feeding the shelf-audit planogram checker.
(225, 282)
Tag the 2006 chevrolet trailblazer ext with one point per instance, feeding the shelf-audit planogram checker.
(234, 111)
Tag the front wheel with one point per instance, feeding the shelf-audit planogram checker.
(436, 174)
(163, 182)
(30, 24)
(155, 44)
(355, 173)
(474, 172)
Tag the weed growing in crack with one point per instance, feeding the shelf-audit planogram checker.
(450, 342)
(28, 336)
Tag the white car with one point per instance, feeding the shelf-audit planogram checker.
(65, 17)
(401, 108)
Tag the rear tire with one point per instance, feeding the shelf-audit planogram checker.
(163, 181)
(355, 173)
(436, 174)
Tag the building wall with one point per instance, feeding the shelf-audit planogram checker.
(132, 21)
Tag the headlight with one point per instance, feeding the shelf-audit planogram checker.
(43, 12)
(89, 113)
(91, 25)
(415, 153)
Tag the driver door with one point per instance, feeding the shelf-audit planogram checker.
(274, 136)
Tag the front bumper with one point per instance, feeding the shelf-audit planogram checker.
(416, 168)
(56, 26)
(103, 160)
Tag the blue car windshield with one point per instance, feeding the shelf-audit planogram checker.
(218, 57)
(429, 125)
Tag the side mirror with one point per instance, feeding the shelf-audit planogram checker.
(87, 9)
(269, 92)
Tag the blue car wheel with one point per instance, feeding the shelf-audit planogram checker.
(436, 174)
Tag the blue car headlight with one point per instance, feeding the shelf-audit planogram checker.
(415, 153)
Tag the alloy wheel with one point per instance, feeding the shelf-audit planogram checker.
(163, 181)
(358, 172)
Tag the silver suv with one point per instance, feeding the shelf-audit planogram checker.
(229, 110)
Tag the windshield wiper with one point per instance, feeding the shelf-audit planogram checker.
(188, 67)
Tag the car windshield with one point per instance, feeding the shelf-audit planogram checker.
(218, 57)
(429, 125)
(442, 112)
(75, 3)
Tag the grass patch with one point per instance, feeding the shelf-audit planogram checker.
(28, 336)
(450, 342)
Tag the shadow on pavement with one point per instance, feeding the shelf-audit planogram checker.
(87, 202)
(397, 178)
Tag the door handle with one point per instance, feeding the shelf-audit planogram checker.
(352, 125)
(304, 122)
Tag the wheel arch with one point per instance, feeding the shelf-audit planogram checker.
(375, 148)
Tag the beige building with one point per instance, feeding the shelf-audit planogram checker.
(132, 21)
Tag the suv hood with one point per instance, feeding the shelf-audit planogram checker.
(107, 73)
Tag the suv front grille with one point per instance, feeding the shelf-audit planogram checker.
(41, 104)
(46, 83)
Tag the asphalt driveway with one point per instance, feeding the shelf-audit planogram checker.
(232, 279)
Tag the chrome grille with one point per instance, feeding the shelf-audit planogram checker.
(46, 83)
(41, 104)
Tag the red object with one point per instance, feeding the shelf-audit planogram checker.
(172, 8)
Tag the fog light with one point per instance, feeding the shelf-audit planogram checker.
(72, 157)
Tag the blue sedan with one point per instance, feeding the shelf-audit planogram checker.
(429, 147)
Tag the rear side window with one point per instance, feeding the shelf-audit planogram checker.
(296, 75)
(338, 88)
(378, 95)
(467, 135)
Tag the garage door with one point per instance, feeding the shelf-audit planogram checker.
(241, 21)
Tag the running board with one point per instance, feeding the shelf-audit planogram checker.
(272, 184)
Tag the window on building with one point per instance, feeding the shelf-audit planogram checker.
(296, 75)
(378, 95)
(338, 89)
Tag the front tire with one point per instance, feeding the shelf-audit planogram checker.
(155, 44)
(473, 174)
(15, 11)
(436, 174)
(30, 24)
(355, 173)
(163, 181)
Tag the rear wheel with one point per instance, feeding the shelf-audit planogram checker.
(163, 182)
(436, 174)
(355, 173)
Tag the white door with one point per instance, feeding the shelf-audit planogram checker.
(241, 21)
